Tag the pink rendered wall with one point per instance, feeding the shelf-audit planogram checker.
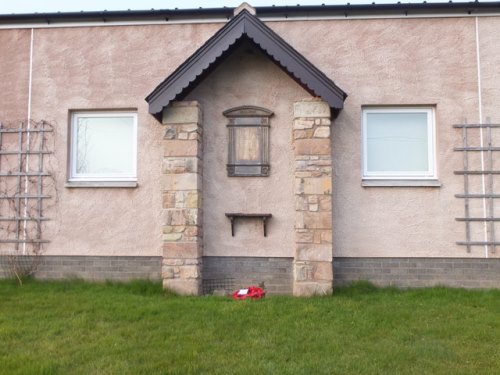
(377, 62)
(14, 70)
(98, 68)
(401, 62)
(248, 78)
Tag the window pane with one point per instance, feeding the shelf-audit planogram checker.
(105, 145)
(397, 142)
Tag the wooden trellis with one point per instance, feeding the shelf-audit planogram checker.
(23, 151)
(485, 145)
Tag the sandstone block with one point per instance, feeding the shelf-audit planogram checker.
(301, 203)
(317, 236)
(173, 229)
(301, 124)
(304, 237)
(314, 252)
(325, 202)
(322, 132)
(303, 271)
(326, 236)
(172, 237)
(189, 272)
(244, 6)
(182, 217)
(182, 114)
(183, 164)
(170, 133)
(322, 271)
(312, 199)
(312, 288)
(311, 108)
(179, 198)
(317, 220)
(313, 271)
(317, 185)
(191, 262)
(189, 128)
(192, 231)
(298, 134)
(299, 220)
(181, 148)
(190, 287)
(182, 181)
(193, 199)
(314, 146)
(168, 200)
(302, 174)
(167, 272)
(173, 262)
(181, 250)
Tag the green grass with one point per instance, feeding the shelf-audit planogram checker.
(136, 328)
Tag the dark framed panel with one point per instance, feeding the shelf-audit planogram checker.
(248, 141)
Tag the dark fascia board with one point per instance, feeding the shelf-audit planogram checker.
(117, 16)
(205, 14)
(395, 9)
(346, 10)
(249, 26)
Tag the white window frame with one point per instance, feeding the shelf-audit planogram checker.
(430, 174)
(89, 177)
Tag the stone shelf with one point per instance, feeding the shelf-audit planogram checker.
(233, 216)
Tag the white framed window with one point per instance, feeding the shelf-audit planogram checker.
(399, 143)
(103, 146)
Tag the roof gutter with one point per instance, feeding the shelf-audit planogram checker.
(273, 12)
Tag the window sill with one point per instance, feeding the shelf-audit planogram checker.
(400, 183)
(101, 184)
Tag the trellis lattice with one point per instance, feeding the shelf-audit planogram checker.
(481, 173)
(24, 180)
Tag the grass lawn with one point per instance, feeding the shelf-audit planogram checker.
(136, 328)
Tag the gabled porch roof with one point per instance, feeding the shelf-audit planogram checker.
(244, 26)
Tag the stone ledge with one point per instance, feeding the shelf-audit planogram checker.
(400, 183)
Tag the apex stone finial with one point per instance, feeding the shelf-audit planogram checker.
(244, 6)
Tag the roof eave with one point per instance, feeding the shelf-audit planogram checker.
(245, 25)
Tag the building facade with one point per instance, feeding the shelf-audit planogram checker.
(301, 147)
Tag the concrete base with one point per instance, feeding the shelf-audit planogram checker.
(119, 268)
(419, 272)
(277, 273)
(231, 273)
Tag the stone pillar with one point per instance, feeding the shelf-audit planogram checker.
(313, 273)
(182, 194)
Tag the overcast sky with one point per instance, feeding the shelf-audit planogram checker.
(32, 6)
